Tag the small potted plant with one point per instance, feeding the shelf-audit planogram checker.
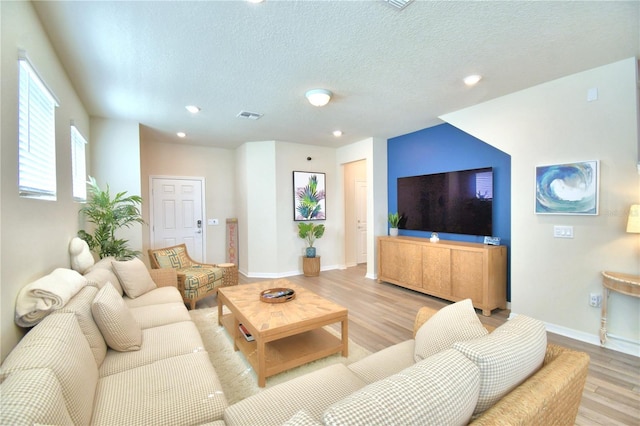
(394, 220)
(309, 232)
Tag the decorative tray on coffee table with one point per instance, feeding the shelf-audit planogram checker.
(277, 295)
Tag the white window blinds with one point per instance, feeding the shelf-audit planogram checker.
(79, 168)
(36, 128)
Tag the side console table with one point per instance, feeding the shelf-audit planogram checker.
(622, 283)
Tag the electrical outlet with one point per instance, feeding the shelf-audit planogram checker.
(595, 300)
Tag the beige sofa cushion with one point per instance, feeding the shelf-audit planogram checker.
(101, 273)
(80, 305)
(453, 323)
(506, 357)
(302, 418)
(385, 362)
(159, 343)
(67, 355)
(157, 296)
(313, 392)
(162, 314)
(441, 390)
(32, 397)
(182, 390)
(119, 328)
(133, 276)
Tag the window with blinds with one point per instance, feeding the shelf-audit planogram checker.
(36, 135)
(78, 163)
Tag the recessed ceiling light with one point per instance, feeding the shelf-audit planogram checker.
(337, 133)
(472, 80)
(181, 134)
(255, 1)
(193, 109)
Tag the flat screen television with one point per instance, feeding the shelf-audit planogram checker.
(457, 202)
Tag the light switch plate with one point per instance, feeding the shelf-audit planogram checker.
(560, 231)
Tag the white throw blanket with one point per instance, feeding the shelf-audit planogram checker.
(43, 296)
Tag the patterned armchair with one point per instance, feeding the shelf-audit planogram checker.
(195, 280)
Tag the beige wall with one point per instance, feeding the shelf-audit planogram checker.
(553, 123)
(35, 234)
(353, 172)
(216, 166)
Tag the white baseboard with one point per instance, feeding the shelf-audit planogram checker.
(275, 276)
(615, 343)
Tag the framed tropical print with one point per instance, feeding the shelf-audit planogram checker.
(309, 201)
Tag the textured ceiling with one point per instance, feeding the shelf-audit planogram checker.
(392, 72)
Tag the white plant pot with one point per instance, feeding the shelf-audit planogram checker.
(393, 232)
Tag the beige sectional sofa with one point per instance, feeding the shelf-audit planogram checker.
(65, 370)
(453, 372)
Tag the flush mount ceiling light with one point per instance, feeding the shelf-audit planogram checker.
(181, 134)
(399, 4)
(318, 97)
(337, 133)
(193, 109)
(472, 80)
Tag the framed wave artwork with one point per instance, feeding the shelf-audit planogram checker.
(571, 188)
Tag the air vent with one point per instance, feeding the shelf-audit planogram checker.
(249, 115)
(399, 4)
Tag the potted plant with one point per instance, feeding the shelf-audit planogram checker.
(108, 215)
(394, 220)
(309, 232)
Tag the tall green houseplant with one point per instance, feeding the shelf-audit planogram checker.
(108, 215)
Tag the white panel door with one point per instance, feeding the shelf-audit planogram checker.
(361, 221)
(177, 215)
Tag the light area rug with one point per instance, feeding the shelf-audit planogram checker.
(236, 375)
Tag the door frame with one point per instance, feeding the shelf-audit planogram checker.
(358, 182)
(202, 197)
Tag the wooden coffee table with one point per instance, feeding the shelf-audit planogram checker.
(286, 334)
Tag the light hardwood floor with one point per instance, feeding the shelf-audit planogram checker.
(381, 315)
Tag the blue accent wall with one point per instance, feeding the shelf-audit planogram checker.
(446, 148)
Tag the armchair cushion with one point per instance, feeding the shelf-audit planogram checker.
(172, 257)
(196, 276)
(134, 277)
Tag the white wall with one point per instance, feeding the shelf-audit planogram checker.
(114, 150)
(35, 234)
(553, 123)
(293, 157)
(374, 151)
(215, 165)
(258, 227)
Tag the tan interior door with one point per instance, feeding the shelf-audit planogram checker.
(361, 221)
(177, 215)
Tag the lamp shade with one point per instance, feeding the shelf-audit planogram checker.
(318, 97)
(633, 224)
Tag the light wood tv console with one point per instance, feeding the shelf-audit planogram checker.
(449, 270)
